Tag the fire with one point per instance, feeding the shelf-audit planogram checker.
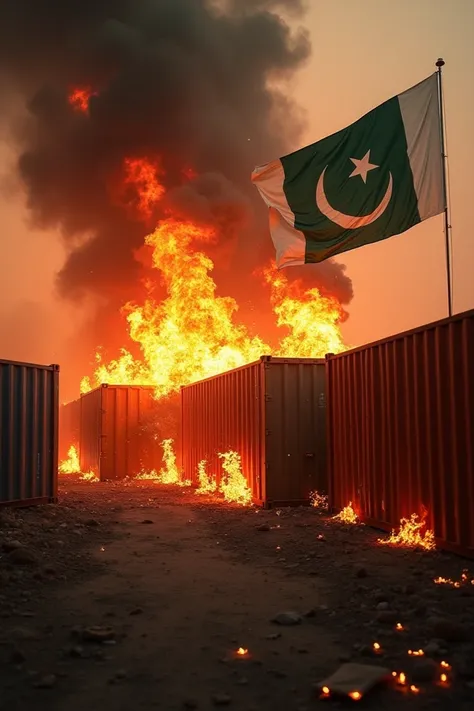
(71, 464)
(170, 473)
(416, 653)
(466, 579)
(147, 475)
(234, 485)
(355, 695)
(79, 98)
(193, 333)
(207, 483)
(143, 176)
(412, 533)
(319, 501)
(242, 652)
(312, 319)
(347, 515)
(89, 476)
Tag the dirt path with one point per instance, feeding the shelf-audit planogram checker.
(179, 587)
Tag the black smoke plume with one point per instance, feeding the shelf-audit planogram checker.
(190, 83)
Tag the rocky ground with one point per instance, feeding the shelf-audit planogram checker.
(139, 596)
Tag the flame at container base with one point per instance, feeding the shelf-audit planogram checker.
(412, 534)
(234, 485)
(170, 473)
(207, 483)
(71, 464)
(347, 515)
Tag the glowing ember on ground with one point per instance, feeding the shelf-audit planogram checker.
(466, 579)
(79, 98)
(355, 695)
(347, 515)
(376, 647)
(242, 652)
(444, 679)
(89, 476)
(445, 665)
(416, 653)
(207, 483)
(234, 485)
(400, 678)
(412, 534)
(170, 474)
(71, 464)
(414, 689)
(399, 627)
(325, 691)
(193, 334)
(319, 501)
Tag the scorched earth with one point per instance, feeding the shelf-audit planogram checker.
(137, 595)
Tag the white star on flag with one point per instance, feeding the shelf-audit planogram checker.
(362, 166)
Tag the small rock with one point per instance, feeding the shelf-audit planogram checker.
(22, 556)
(46, 682)
(361, 573)
(147, 521)
(387, 617)
(274, 636)
(449, 630)
(264, 527)
(408, 589)
(190, 704)
(287, 619)
(98, 634)
(383, 606)
(424, 670)
(136, 611)
(432, 649)
(221, 699)
(9, 546)
(91, 522)
(243, 681)
(310, 613)
(121, 674)
(277, 673)
(24, 633)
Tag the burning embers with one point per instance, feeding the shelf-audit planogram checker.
(465, 579)
(347, 515)
(413, 533)
(79, 98)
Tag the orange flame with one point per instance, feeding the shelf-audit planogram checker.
(79, 98)
(355, 695)
(242, 652)
(193, 333)
(466, 579)
(347, 515)
(412, 533)
(234, 485)
(207, 483)
(71, 464)
(319, 501)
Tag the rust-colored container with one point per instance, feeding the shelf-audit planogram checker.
(273, 413)
(120, 432)
(69, 427)
(401, 429)
(29, 406)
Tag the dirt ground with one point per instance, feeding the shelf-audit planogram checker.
(137, 596)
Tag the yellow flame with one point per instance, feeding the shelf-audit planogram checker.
(90, 476)
(412, 533)
(170, 474)
(207, 483)
(319, 501)
(71, 464)
(347, 515)
(151, 475)
(234, 485)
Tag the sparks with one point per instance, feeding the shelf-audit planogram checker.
(79, 98)
(319, 501)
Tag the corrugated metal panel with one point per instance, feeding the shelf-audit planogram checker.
(120, 431)
(273, 414)
(69, 427)
(29, 406)
(401, 429)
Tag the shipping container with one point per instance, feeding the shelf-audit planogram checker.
(121, 431)
(273, 414)
(69, 427)
(401, 429)
(29, 408)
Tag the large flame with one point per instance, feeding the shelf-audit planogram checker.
(70, 465)
(234, 485)
(194, 333)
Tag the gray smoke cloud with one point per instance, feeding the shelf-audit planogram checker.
(186, 82)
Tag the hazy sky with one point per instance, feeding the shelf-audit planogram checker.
(364, 51)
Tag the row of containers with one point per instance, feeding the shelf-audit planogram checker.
(388, 426)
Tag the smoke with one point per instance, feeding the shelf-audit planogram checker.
(191, 83)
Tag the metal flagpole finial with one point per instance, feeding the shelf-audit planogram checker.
(440, 63)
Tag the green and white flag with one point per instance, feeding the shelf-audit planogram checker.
(369, 181)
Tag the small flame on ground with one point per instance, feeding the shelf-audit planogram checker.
(89, 476)
(234, 485)
(319, 501)
(355, 695)
(412, 533)
(242, 652)
(414, 689)
(445, 665)
(376, 647)
(399, 627)
(207, 483)
(443, 678)
(400, 678)
(347, 515)
(326, 691)
(71, 464)
(416, 653)
(151, 475)
(170, 474)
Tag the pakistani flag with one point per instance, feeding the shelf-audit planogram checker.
(374, 179)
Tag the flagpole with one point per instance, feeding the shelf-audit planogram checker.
(440, 63)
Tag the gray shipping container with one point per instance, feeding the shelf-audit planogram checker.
(273, 413)
(29, 408)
